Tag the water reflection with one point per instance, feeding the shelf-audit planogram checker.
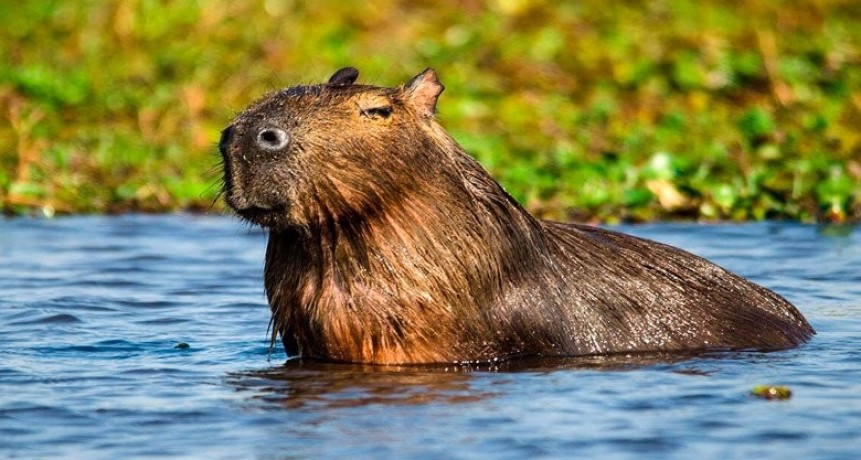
(309, 383)
(837, 230)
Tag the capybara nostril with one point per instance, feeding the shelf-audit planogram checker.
(225, 139)
(272, 138)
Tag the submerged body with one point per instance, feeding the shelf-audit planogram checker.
(389, 244)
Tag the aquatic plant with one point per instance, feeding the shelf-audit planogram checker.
(589, 110)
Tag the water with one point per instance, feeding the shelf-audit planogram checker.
(92, 310)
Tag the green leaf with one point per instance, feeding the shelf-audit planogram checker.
(27, 189)
(756, 123)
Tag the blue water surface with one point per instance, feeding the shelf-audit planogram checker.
(92, 310)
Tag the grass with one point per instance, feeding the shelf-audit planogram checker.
(583, 110)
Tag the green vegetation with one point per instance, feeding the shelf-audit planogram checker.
(779, 393)
(584, 110)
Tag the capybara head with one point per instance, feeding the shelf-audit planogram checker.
(333, 149)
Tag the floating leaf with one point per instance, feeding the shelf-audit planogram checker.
(771, 392)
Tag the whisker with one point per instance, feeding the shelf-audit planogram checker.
(215, 199)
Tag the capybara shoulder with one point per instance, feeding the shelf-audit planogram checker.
(389, 244)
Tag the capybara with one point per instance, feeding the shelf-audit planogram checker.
(389, 244)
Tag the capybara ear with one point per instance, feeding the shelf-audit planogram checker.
(423, 91)
(344, 77)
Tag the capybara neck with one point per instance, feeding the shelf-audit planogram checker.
(404, 283)
(389, 244)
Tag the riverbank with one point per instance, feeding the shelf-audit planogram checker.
(596, 111)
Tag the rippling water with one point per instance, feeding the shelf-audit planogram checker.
(92, 310)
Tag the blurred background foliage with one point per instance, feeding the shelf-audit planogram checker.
(593, 110)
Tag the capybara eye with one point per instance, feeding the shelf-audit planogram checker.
(374, 112)
(272, 138)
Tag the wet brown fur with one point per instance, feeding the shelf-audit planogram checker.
(389, 244)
